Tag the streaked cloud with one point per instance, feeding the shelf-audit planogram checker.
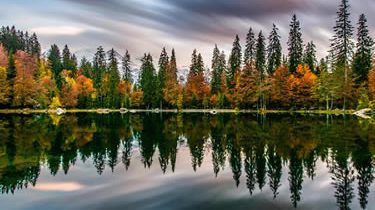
(58, 186)
(58, 30)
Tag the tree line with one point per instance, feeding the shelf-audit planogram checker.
(256, 77)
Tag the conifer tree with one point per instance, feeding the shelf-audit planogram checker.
(114, 79)
(163, 65)
(147, 81)
(310, 56)
(342, 47)
(362, 62)
(295, 44)
(234, 61)
(274, 50)
(249, 55)
(126, 69)
(216, 71)
(54, 60)
(260, 57)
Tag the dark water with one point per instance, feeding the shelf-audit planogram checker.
(194, 161)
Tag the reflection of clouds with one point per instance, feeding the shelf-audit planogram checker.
(59, 186)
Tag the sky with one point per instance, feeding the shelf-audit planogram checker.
(149, 25)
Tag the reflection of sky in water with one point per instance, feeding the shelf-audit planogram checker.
(140, 188)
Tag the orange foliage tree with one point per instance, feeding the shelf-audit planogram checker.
(279, 89)
(301, 86)
(248, 87)
(25, 87)
(86, 90)
(69, 92)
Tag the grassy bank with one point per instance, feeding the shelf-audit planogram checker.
(212, 111)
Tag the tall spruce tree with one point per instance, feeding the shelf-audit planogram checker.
(113, 100)
(309, 57)
(11, 74)
(234, 61)
(148, 82)
(126, 69)
(342, 46)
(260, 57)
(99, 68)
(249, 54)
(163, 65)
(68, 60)
(216, 74)
(54, 60)
(362, 62)
(34, 47)
(295, 44)
(86, 67)
(274, 50)
(173, 66)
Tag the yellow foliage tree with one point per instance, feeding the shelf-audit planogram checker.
(4, 87)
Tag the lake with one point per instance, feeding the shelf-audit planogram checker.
(186, 161)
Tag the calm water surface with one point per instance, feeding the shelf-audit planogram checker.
(191, 161)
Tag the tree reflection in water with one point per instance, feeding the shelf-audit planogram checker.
(255, 146)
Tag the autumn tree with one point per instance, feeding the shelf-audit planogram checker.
(279, 87)
(197, 89)
(25, 86)
(86, 91)
(4, 87)
(172, 92)
(69, 91)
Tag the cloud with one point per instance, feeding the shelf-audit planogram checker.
(58, 30)
(59, 186)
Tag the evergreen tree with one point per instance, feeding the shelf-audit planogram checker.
(216, 73)
(310, 56)
(34, 46)
(54, 60)
(173, 66)
(114, 79)
(163, 65)
(295, 44)
(260, 57)
(148, 81)
(126, 70)
(362, 62)
(342, 45)
(99, 68)
(86, 67)
(249, 55)
(234, 61)
(274, 50)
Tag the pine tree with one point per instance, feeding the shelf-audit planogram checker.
(216, 73)
(86, 68)
(274, 50)
(147, 81)
(99, 68)
(342, 45)
(163, 65)
(54, 60)
(260, 57)
(310, 56)
(295, 44)
(234, 61)
(362, 62)
(34, 47)
(173, 66)
(249, 55)
(126, 69)
(114, 79)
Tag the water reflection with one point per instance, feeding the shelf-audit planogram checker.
(259, 148)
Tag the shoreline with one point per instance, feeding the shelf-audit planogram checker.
(209, 111)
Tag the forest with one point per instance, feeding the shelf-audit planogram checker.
(255, 76)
